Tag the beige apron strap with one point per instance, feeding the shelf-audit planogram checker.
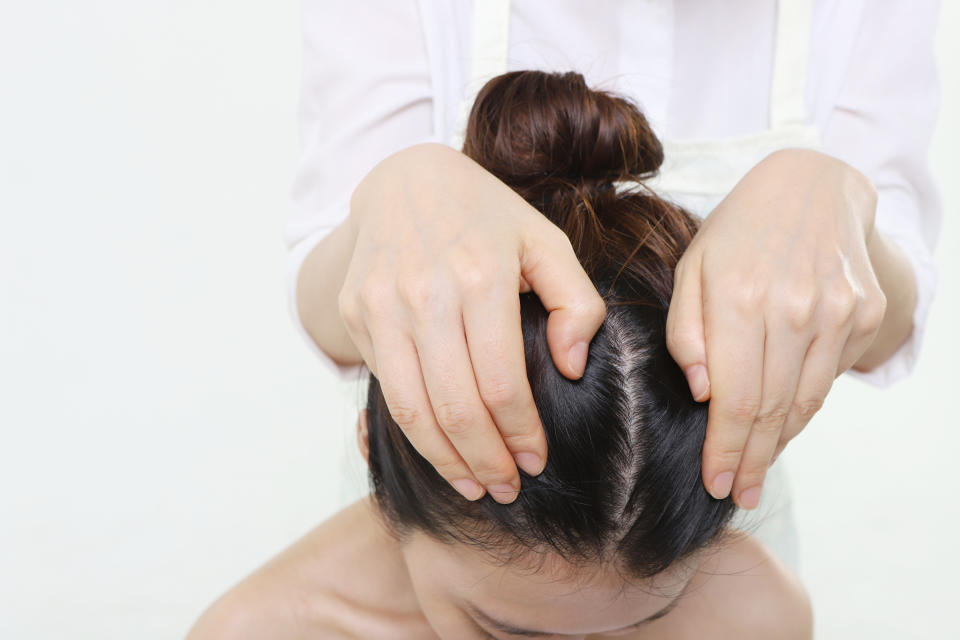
(791, 55)
(488, 56)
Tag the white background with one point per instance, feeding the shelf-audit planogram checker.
(163, 429)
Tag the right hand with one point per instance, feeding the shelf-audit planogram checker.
(431, 301)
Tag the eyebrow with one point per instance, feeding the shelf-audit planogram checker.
(513, 630)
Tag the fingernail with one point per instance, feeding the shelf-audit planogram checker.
(529, 462)
(750, 498)
(698, 381)
(503, 493)
(468, 488)
(577, 358)
(722, 483)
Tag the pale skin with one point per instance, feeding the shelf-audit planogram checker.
(348, 578)
(786, 286)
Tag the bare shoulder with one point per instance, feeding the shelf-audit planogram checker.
(329, 584)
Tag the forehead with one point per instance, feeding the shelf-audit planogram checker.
(547, 593)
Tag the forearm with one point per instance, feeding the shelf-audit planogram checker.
(403, 174)
(897, 280)
(318, 286)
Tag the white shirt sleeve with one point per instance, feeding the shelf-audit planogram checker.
(882, 124)
(365, 93)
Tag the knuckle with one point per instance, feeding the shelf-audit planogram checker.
(349, 309)
(498, 392)
(751, 473)
(373, 293)
(494, 471)
(455, 417)
(450, 468)
(724, 456)
(596, 307)
(471, 275)
(407, 416)
(530, 440)
(807, 408)
(418, 291)
(743, 409)
(841, 303)
(772, 419)
(749, 296)
(873, 311)
(800, 306)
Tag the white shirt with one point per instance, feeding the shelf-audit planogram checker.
(382, 75)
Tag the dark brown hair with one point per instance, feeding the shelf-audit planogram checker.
(622, 482)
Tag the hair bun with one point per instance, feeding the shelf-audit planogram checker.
(540, 132)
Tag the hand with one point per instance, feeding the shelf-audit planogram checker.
(774, 298)
(431, 300)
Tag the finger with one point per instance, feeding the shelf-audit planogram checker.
(550, 267)
(356, 328)
(491, 319)
(685, 326)
(734, 337)
(816, 380)
(364, 343)
(776, 452)
(831, 354)
(401, 382)
(783, 356)
(452, 388)
(863, 328)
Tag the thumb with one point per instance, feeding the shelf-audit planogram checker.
(685, 340)
(549, 266)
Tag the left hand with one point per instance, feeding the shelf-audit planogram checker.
(774, 298)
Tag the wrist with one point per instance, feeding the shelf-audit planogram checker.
(403, 174)
(861, 194)
(833, 180)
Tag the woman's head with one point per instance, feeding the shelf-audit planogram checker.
(620, 504)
